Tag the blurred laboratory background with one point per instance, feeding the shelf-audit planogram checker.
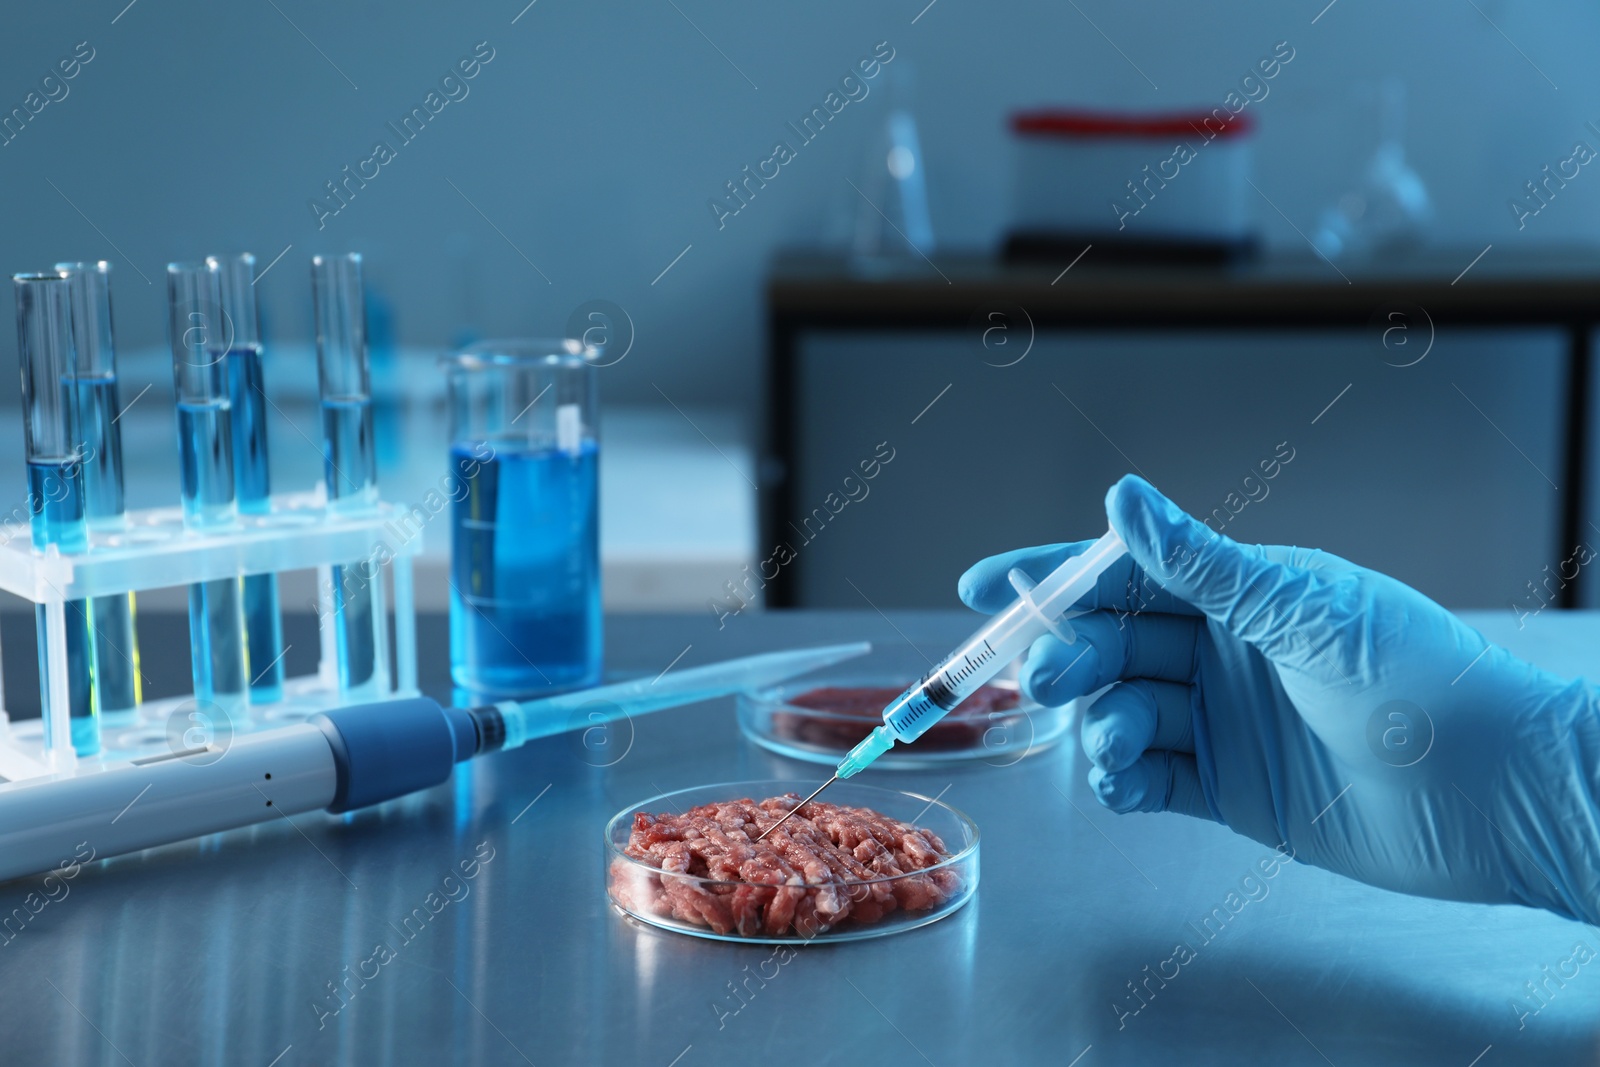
(880, 289)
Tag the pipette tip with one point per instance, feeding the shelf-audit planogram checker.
(790, 814)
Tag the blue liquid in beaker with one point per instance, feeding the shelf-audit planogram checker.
(525, 569)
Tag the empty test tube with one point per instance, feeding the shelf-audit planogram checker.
(252, 478)
(350, 467)
(56, 504)
(200, 341)
(93, 383)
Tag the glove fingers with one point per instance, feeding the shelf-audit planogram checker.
(1134, 716)
(1123, 587)
(1248, 590)
(1110, 647)
(1157, 781)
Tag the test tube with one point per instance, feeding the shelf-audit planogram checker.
(252, 479)
(350, 466)
(200, 337)
(56, 504)
(93, 379)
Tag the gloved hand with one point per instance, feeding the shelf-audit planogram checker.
(1305, 701)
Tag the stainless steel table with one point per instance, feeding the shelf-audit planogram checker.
(260, 947)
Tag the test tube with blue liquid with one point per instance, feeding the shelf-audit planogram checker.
(93, 380)
(247, 396)
(350, 463)
(56, 504)
(201, 339)
(525, 546)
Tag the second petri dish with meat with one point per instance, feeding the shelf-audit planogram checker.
(825, 715)
(859, 862)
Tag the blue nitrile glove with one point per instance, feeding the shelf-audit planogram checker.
(1301, 700)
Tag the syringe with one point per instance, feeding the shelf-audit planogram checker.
(1038, 609)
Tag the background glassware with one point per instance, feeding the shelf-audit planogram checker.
(891, 213)
(1388, 209)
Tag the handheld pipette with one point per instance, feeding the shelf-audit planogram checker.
(337, 761)
(1038, 610)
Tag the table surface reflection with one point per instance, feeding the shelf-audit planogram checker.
(261, 946)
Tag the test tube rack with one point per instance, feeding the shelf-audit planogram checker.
(153, 550)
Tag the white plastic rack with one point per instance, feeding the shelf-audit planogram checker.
(153, 550)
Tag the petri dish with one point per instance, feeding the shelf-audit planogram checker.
(799, 909)
(822, 716)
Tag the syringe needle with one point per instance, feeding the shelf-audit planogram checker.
(790, 814)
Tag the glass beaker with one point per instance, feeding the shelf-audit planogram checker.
(525, 532)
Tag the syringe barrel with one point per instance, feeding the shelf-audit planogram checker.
(1004, 637)
(1001, 639)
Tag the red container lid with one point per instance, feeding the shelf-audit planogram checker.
(1111, 125)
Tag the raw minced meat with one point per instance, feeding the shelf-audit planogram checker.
(826, 866)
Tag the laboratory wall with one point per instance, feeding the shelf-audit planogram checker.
(1439, 473)
(580, 161)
